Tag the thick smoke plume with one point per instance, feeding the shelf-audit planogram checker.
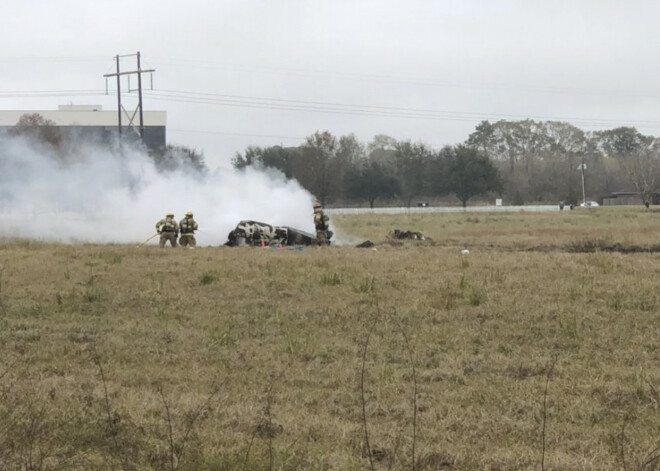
(96, 194)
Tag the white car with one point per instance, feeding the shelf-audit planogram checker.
(589, 204)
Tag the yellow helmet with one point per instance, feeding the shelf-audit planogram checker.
(169, 214)
(189, 214)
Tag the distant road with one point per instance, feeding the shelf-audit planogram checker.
(446, 209)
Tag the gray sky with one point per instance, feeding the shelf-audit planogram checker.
(235, 73)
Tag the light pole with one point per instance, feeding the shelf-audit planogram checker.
(582, 168)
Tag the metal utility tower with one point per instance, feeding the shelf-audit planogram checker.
(120, 107)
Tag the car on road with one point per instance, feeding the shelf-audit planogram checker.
(589, 204)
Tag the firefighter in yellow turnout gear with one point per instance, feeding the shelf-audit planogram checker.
(188, 226)
(321, 223)
(168, 230)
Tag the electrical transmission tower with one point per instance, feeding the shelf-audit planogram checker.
(120, 107)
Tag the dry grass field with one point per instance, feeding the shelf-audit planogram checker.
(538, 350)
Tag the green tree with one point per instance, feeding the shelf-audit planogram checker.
(174, 158)
(483, 138)
(381, 148)
(469, 173)
(316, 166)
(252, 156)
(411, 163)
(278, 157)
(370, 181)
(622, 141)
(350, 151)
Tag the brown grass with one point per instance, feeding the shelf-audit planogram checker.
(624, 225)
(221, 358)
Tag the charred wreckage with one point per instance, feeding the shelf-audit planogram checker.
(255, 234)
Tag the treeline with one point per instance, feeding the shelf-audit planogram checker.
(344, 169)
(524, 162)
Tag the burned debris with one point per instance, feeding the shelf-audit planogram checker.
(255, 234)
(406, 235)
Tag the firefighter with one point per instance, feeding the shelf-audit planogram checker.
(188, 226)
(321, 222)
(168, 230)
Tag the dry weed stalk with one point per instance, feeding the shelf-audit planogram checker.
(264, 428)
(622, 436)
(2, 304)
(269, 419)
(364, 402)
(414, 378)
(175, 459)
(112, 419)
(651, 461)
(411, 358)
(247, 452)
(169, 426)
(8, 369)
(31, 438)
(553, 362)
(654, 391)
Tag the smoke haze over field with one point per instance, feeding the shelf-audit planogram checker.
(99, 195)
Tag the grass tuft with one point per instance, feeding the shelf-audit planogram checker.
(208, 277)
(331, 279)
(477, 296)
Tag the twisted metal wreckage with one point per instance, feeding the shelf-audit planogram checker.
(255, 234)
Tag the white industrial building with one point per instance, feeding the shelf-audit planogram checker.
(93, 121)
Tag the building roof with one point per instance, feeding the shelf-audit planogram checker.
(83, 115)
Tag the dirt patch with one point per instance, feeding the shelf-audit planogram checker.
(588, 247)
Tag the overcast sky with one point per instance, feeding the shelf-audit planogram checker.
(245, 72)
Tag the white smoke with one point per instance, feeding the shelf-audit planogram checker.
(99, 195)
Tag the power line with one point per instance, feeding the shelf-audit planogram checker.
(303, 102)
(366, 110)
(294, 107)
(368, 77)
(53, 59)
(46, 93)
(323, 107)
(425, 81)
(234, 134)
(398, 109)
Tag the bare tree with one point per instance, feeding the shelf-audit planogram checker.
(642, 169)
(638, 155)
(35, 127)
